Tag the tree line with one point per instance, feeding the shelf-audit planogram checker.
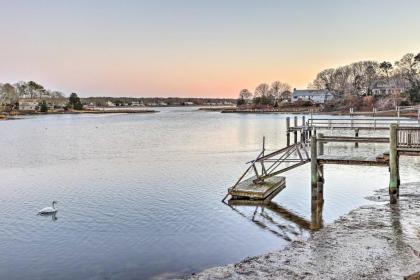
(265, 94)
(359, 78)
(10, 93)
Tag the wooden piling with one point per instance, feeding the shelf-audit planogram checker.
(356, 135)
(314, 169)
(295, 124)
(320, 183)
(320, 144)
(393, 165)
(316, 215)
(288, 130)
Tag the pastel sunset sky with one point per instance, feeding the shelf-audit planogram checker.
(210, 48)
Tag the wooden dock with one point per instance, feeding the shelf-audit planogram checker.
(378, 160)
(264, 183)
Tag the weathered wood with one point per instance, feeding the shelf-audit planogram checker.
(356, 135)
(354, 139)
(314, 169)
(393, 164)
(320, 182)
(295, 125)
(288, 131)
(320, 144)
(247, 189)
(378, 160)
(316, 214)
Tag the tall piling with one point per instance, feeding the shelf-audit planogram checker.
(288, 131)
(314, 169)
(320, 144)
(393, 165)
(295, 124)
(356, 135)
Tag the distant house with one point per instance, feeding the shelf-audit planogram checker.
(187, 103)
(137, 103)
(315, 96)
(27, 104)
(110, 104)
(387, 88)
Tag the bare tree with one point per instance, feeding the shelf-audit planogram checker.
(245, 94)
(262, 90)
(8, 95)
(277, 89)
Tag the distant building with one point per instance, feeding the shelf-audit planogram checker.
(110, 104)
(137, 103)
(384, 87)
(315, 96)
(187, 103)
(27, 104)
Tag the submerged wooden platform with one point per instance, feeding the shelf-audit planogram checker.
(265, 191)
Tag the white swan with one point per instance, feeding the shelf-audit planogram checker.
(48, 210)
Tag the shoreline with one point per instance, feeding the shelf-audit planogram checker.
(17, 115)
(376, 241)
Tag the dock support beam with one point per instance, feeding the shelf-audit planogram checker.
(394, 183)
(288, 131)
(295, 124)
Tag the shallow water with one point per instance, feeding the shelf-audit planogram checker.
(139, 194)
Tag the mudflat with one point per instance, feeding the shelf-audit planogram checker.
(379, 241)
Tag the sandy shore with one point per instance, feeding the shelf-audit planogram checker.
(379, 241)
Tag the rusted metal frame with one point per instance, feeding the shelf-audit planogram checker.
(270, 155)
(237, 182)
(300, 155)
(284, 169)
(281, 159)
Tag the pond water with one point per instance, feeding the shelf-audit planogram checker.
(139, 195)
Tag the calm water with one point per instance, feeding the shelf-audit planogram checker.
(139, 195)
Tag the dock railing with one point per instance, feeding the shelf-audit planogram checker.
(408, 138)
(360, 123)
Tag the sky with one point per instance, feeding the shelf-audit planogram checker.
(195, 48)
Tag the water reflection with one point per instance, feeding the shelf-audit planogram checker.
(53, 216)
(278, 220)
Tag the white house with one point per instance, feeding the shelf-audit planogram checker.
(387, 88)
(110, 104)
(316, 96)
(26, 104)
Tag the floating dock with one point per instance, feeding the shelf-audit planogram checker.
(264, 191)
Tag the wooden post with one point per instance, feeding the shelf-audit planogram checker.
(263, 147)
(320, 144)
(304, 131)
(295, 124)
(393, 164)
(320, 183)
(314, 169)
(316, 215)
(356, 135)
(288, 130)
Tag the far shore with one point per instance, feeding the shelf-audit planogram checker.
(307, 111)
(73, 112)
